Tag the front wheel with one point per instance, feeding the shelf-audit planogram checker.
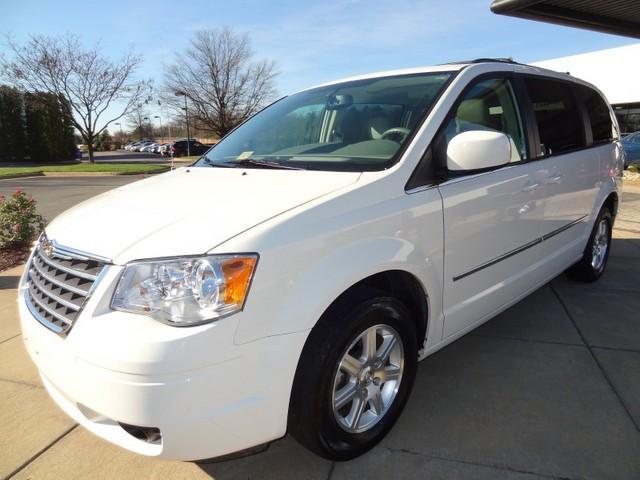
(596, 254)
(354, 377)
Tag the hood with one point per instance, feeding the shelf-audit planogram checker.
(188, 211)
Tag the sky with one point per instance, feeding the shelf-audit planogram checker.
(311, 42)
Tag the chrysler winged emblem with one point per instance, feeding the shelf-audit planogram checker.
(47, 247)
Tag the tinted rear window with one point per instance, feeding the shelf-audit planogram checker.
(557, 115)
(598, 111)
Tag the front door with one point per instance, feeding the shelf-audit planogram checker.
(492, 220)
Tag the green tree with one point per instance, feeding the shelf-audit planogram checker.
(104, 141)
(49, 130)
(12, 138)
(88, 80)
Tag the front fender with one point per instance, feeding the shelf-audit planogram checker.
(311, 255)
(299, 304)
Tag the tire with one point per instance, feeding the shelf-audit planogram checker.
(596, 254)
(318, 418)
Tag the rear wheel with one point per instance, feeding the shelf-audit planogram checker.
(354, 376)
(596, 253)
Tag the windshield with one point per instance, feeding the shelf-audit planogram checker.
(352, 126)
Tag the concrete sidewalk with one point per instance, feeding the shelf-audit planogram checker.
(548, 389)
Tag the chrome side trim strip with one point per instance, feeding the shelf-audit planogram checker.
(562, 229)
(520, 249)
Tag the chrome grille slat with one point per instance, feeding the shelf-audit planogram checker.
(55, 297)
(71, 271)
(48, 309)
(59, 281)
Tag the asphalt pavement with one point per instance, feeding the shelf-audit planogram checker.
(54, 195)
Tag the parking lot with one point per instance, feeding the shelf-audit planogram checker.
(548, 389)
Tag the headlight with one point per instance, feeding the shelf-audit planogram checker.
(186, 291)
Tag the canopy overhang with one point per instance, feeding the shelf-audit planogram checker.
(620, 17)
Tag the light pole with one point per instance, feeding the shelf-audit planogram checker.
(161, 131)
(149, 124)
(121, 136)
(186, 115)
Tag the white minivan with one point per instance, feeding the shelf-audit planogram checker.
(291, 279)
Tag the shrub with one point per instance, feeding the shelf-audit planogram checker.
(20, 223)
(635, 168)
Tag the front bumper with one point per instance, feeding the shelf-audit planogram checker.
(206, 395)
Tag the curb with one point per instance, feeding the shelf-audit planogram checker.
(21, 175)
(82, 174)
(102, 174)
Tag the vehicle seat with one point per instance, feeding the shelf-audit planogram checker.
(472, 114)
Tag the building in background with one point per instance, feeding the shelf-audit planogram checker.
(615, 71)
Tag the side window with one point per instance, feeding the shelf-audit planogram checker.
(490, 105)
(557, 115)
(598, 111)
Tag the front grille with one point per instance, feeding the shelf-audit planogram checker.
(58, 283)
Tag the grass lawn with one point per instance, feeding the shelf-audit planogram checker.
(118, 168)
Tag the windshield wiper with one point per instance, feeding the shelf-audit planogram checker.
(211, 163)
(255, 163)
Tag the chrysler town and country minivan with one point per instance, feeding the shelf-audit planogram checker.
(291, 278)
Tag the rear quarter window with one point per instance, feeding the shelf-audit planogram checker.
(599, 116)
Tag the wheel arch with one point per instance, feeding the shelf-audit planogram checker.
(611, 202)
(401, 285)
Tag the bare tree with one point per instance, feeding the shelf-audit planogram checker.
(88, 81)
(218, 76)
(138, 121)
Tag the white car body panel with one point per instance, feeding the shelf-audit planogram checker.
(224, 386)
(151, 216)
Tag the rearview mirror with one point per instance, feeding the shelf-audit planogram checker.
(478, 150)
(340, 101)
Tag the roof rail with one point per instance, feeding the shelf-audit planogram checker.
(484, 60)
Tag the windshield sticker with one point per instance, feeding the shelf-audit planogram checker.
(245, 155)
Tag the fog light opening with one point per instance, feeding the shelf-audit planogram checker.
(145, 434)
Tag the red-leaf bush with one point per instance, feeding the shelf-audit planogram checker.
(20, 223)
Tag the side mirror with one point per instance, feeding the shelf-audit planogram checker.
(478, 150)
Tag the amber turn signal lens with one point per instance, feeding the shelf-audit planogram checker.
(237, 276)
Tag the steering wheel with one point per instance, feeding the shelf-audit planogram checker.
(396, 134)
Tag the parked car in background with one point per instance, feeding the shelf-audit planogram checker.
(291, 279)
(165, 149)
(149, 147)
(631, 145)
(143, 145)
(179, 148)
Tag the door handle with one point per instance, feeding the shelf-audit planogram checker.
(531, 187)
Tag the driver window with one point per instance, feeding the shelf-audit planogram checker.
(490, 105)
